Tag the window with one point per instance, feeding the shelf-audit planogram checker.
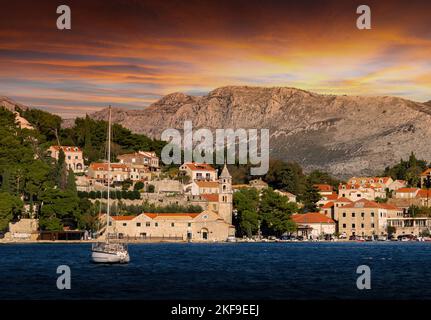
(124, 224)
(138, 224)
(362, 225)
(344, 214)
(353, 214)
(76, 157)
(353, 226)
(69, 157)
(189, 224)
(372, 225)
(372, 214)
(172, 224)
(362, 214)
(344, 225)
(156, 224)
(148, 224)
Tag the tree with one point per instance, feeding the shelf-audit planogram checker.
(138, 186)
(71, 182)
(246, 203)
(151, 188)
(310, 198)
(275, 212)
(59, 208)
(10, 207)
(286, 176)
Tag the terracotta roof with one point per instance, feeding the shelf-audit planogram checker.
(389, 206)
(407, 190)
(123, 218)
(423, 194)
(102, 166)
(199, 166)
(312, 217)
(172, 215)
(323, 187)
(343, 199)
(211, 197)
(67, 148)
(329, 204)
(426, 172)
(368, 180)
(146, 154)
(364, 203)
(207, 184)
(332, 196)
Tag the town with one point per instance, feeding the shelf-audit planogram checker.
(360, 209)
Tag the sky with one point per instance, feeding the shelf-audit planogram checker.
(129, 53)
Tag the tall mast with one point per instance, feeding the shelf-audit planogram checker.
(108, 210)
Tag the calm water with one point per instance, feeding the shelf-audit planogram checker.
(221, 271)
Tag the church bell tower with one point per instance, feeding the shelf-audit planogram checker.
(225, 195)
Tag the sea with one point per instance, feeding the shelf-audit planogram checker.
(177, 271)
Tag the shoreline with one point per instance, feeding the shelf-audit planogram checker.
(9, 242)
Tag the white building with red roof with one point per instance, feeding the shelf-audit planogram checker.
(204, 226)
(314, 225)
(199, 171)
(73, 157)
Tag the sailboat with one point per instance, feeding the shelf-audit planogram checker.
(109, 252)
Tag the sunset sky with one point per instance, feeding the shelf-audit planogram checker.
(130, 53)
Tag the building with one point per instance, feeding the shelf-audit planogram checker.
(324, 189)
(199, 171)
(314, 225)
(214, 223)
(397, 184)
(203, 187)
(98, 171)
(204, 226)
(290, 196)
(406, 193)
(73, 157)
(365, 218)
(375, 182)
(258, 184)
(358, 191)
(141, 159)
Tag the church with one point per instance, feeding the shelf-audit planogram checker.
(213, 224)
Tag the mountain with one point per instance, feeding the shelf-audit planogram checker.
(345, 135)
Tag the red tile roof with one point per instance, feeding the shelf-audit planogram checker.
(329, 204)
(199, 166)
(102, 166)
(427, 171)
(324, 187)
(312, 217)
(65, 148)
(424, 194)
(123, 218)
(211, 197)
(171, 215)
(407, 190)
(207, 184)
(364, 203)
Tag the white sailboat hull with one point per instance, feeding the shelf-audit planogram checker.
(110, 253)
(104, 257)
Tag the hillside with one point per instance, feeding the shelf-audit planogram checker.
(345, 135)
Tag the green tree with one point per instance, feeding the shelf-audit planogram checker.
(310, 198)
(275, 212)
(138, 186)
(10, 207)
(246, 203)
